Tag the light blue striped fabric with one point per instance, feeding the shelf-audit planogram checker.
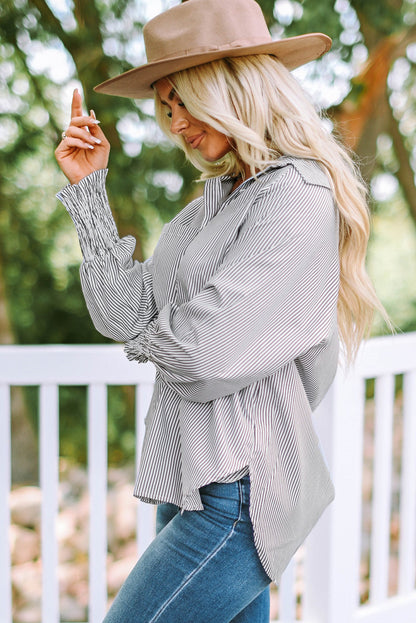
(237, 310)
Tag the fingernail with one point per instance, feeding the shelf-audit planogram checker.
(75, 91)
(96, 140)
(95, 121)
(94, 118)
(89, 146)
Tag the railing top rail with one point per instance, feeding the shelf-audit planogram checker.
(106, 363)
(393, 354)
(71, 365)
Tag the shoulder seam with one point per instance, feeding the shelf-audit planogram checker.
(310, 171)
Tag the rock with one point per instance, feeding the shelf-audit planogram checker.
(71, 609)
(24, 545)
(118, 571)
(73, 480)
(126, 550)
(28, 614)
(122, 515)
(73, 581)
(67, 524)
(73, 530)
(274, 602)
(120, 476)
(25, 507)
(27, 584)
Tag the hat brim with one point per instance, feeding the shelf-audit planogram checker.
(292, 52)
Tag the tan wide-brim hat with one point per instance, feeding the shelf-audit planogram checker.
(200, 31)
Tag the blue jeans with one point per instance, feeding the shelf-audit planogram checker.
(202, 566)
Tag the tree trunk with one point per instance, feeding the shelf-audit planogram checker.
(366, 112)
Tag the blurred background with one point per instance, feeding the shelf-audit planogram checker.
(365, 87)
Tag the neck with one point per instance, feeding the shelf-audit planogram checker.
(240, 179)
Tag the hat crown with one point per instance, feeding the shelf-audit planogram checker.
(203, 25)
(201, 31)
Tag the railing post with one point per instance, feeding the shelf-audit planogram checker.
(49, 479)
(5, 482)
(333, 548)
(97, 480)
(407, 532)
(383, 460)
(287, 595)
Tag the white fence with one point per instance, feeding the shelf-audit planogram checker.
(331, 559)
(333, 581)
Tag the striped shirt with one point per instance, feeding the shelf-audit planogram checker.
(237, 310)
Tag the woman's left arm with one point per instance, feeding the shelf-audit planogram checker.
(273, 297)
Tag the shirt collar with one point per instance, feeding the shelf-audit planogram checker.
(281, 162)
(217, 189)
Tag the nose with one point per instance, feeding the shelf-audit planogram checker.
(179, 122)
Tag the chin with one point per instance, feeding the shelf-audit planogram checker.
(215, 158)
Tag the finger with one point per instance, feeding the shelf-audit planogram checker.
(82, 134)
(69, 146)
(76, 106)
(88, 122)
(73, 142)
(89, 128)
(84, 121)
(95, 128)
(92, 124)
(97, 132)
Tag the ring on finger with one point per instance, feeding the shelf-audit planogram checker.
(63, 135)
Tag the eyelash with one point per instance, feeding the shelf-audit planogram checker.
(169, 113)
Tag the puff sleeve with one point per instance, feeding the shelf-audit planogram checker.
(118, 290)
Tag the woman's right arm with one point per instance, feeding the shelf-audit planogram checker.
(118, 291)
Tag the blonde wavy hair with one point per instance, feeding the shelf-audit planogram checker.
(257, 103)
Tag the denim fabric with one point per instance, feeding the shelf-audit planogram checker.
(202, 566)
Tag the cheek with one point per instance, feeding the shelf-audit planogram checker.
(222, 144)
(216, 145)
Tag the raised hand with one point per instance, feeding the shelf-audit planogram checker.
(84, 148)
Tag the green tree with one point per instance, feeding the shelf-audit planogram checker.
(366, 83)
(375, 52)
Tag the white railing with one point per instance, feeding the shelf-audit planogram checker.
(333, 594)
(329, 563)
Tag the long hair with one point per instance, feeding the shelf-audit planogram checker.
(257, 103)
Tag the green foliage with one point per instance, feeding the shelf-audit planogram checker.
(385, 17)
(73, 424)
(307, 16)
(39, 251)
(148, 181)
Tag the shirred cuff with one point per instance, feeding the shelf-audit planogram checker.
(139, 348)
(88, 207)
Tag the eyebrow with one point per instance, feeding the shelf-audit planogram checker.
(171, 96)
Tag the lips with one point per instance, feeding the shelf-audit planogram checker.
(194, 141)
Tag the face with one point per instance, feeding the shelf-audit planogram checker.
(211, 144)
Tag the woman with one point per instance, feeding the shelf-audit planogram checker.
(239, 308)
